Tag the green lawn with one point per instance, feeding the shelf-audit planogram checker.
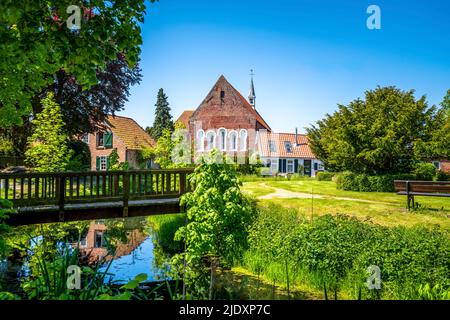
(322, 198)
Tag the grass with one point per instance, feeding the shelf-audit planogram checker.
(382, 208)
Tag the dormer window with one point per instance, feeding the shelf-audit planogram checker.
(288, 146)
(272, 146)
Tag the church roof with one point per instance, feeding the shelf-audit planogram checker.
(247, 104)
(130, 132)
(282, 143)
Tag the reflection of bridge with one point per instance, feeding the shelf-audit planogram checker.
(70, 196)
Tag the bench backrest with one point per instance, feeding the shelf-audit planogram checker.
(423, 186)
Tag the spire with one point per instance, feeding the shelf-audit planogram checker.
(251, 95)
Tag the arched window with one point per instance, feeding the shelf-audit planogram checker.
(222, 139)
(243, 140)
(233, 140)
(200, 140)
(210, 140)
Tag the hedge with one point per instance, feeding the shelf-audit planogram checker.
(350, 181)
(325, 176)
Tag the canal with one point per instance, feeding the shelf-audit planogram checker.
(123, 248)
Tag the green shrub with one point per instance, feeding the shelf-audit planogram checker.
(442, 176)
(425, 171)
(335, 251)
(365, 183)
(325, 176)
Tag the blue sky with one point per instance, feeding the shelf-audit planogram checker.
(307, 55)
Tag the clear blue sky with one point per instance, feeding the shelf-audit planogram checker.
(308, 55)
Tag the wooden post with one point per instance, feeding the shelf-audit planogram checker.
(408, 196)
(61, 190)
(182, 183)
(126, 192)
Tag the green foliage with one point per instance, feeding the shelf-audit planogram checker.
(81, 156)
(163, 119)
(171, 150)
(325, 176)
(6, 209)
(48, 149)
(442, 176)
(164, 228)
(350, 181)
(425, 171)
(379, 135)
(334, 252)
(37, 43)
(218, 217)
(114, 163)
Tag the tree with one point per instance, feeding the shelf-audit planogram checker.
(36, 44)
(438, 146)
(171, 150)
(48, 149)
(381, 134)
(85, 110)
(163, 118)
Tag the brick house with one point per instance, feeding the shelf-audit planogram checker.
(121, 133)
(226, 121)
(93, 246)
(288, 153)
(442, 165)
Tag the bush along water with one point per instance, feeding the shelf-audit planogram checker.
(216, 232)
(333, 254)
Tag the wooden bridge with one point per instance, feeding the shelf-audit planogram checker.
(71, 196)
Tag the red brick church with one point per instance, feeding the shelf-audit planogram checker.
(226, 121)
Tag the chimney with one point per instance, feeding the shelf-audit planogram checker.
(296, 136)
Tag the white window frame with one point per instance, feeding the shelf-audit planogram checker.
(274, 146)
(243, 140)
(200, 140)
(233, 135)
(103, 163)
(224, 146)
(210, 147)
(288, 163)
(274, 165)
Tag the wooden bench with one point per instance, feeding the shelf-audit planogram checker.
(421, 188)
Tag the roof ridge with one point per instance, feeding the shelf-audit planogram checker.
(247, 104)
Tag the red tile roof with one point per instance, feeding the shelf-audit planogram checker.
(302, 150)
(130, 132)
(184, 118)
(248, 105)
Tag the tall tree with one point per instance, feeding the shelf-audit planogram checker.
(37, 43)
(438, 146)
(163, 118)
(48, 149)
(380, 134)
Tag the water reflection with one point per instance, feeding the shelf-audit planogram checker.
(127, 246)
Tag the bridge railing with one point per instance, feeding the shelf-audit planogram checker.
(32, 189)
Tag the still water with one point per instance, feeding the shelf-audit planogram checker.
(123, 247)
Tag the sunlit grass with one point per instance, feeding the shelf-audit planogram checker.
(383, 208)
